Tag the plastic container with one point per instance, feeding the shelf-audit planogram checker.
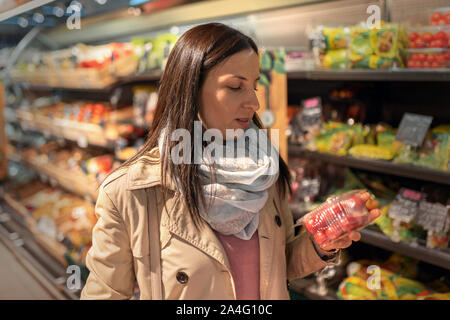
(440, 17)
(429, 37)
(428, 58)
(337, 217)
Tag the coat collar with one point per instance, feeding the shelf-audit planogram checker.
(146, 172)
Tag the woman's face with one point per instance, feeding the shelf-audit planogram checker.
(227, 99)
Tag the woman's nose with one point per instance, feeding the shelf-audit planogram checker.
(252, 102)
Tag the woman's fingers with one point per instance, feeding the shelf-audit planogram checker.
(365, 196)
(373, 214)
(345, 242)
(372, 204)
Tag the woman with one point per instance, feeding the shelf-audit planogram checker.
(225, 230)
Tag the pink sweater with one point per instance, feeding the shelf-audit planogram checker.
(243, 256)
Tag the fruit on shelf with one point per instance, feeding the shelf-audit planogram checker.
(428, 58)
(440, 17)
(429, 37)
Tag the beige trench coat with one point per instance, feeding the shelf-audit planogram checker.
(194, 264)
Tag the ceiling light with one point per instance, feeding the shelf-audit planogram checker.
(58, 11)
(23, 22)
(38, 17)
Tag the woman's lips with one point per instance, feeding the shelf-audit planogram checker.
(243, 122)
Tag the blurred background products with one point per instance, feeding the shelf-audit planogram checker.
(76, 104)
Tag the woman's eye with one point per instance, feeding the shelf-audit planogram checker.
(235, 88)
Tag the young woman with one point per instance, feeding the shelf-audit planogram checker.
(225, 229)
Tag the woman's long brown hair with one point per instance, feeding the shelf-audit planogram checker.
(194, 54)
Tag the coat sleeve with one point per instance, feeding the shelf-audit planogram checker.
(302, 258)
(109, 260)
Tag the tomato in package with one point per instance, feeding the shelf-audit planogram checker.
(337, 216)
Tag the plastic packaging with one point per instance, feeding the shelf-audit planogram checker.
(440, 17)
(428, 58)
(429, 37)
(337, 216)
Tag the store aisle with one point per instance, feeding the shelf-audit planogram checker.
(15, 281)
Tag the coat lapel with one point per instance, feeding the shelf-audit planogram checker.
(266, 244)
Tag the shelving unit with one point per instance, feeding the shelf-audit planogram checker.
(75, 184)
(380, 166)
(408, 75)
(438, 257)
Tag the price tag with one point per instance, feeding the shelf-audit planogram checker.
(413, 128)
(82, 141)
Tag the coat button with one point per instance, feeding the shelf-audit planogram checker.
(278, 220)
(182, 277)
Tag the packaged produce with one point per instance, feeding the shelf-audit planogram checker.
(392, 286)
(386, 225)
(434, 217)
(377, 62)
(338, 216)
(338, 137)
(429, 37)
(361, 43)
(337, 38)
(428, 58)
(386, 41)
(440, 17)
(371, 151)
(337, 59)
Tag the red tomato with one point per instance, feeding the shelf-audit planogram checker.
(440, 58)
(320, 237)
(442, 22)
(426, 64)
(413, 36)
(441, 35)
(411, 64)
(436, 16)
(421, 57)
(438, 44)
(434, 64)
(434, 23)
(310, 225)
(333, 233)
(426, 36)
(431, 58)
(419, 43)
(447, 17)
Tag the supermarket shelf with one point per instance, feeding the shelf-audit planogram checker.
(441, 75)
(32, 255)
(82, 133)
(381, 166)
(78, 185)
(372, 75)
(436, 257)
(17, 10)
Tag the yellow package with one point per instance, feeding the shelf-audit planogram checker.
(337, 59)
(337, 38)
(386, 41)
(371, 151)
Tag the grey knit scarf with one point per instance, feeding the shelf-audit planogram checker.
(247, 168)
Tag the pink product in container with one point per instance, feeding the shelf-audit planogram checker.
(337, 217)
